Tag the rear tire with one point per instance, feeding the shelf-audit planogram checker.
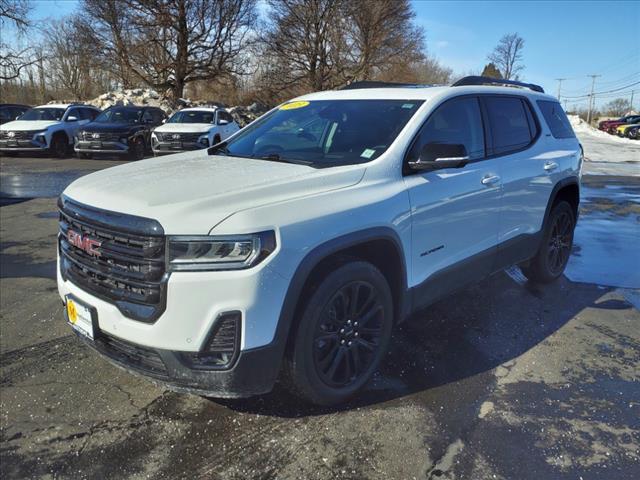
(555, 249)
(59, 146)
(342, 336)
(137, 149)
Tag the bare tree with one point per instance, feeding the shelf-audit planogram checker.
(167, 44)
(312, 45)
(617, 107)
(14, 59)
(507, 56)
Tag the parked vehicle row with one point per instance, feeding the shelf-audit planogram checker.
(625, 127)
(132, 131)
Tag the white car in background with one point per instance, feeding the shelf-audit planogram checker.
(47, 128)
(192, 129)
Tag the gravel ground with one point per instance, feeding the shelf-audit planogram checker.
(503, 380)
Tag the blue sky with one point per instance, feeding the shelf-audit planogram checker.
(564, 39)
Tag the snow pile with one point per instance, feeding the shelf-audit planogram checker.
(583, 128)
(149, 97)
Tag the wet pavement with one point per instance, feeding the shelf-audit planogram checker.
(503, 380)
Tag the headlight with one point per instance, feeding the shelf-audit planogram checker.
(225, 252)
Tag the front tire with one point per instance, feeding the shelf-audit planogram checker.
(86, 156)
(555, 250)
(342, 336)
(58, 147)
(137, 149)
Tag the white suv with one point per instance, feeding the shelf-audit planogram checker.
(289, 251)
(47, 128)
(192, 129)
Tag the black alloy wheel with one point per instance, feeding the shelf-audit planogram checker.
(137, 149)
(347, 337)
(560, 242)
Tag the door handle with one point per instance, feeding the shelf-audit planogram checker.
(549, 166)
(490, 179)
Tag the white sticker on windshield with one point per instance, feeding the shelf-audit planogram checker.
(368, 153)
(407, 105)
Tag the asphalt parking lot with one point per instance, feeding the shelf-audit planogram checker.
(503, 380)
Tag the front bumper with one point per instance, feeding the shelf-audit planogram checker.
(195, 300)
(22, 146)
(86, 146)
(254, 372)
(165, 148)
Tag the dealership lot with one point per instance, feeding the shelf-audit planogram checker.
(501, 380)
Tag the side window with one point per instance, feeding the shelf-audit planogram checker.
(91, 114)
(556, 119)
(146, 116)
(158, 116)
(5, 114)
(510, 129)
(457, 121)
(73, 112)
(222, 115)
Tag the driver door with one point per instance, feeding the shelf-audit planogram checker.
(454, 211)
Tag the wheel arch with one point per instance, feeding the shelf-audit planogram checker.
(380, 246)
(567, 189)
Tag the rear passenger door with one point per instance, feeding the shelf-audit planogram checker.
(454, 211)
(529, 171)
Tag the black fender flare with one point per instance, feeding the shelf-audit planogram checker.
(313, 259)
(565, 182)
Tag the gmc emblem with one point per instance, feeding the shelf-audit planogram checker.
(86, 244)
(176, 136)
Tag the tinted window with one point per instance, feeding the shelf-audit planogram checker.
(89, 113)
(5, 113)
(510, 129)
(556, 119)
(157, 115)
(344, 131)
(120, 115)
(456, 122)
(225, 116)
(44, 113)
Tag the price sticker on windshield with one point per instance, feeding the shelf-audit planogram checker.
(294, 105)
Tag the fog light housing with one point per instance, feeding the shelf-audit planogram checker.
(222, 346)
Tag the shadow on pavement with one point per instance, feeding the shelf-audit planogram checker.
(469, 333)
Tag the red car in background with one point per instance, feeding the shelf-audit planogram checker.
(610, 126)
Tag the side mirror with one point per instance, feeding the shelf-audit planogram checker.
(164, 120)
(223, 122)
(435, 156)
(72, 118)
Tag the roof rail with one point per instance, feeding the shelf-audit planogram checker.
(377, 84)
(477, 80)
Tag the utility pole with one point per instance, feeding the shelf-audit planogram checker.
(631, 101)
(559, 80)
(591, 99)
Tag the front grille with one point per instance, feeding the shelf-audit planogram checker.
(178, 137)
(102, 136)
(131, 355)
(129, 267)
(17, 135)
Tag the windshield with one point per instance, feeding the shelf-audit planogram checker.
(192, 116)
(324, 132)
(120, 115)
(53, 114)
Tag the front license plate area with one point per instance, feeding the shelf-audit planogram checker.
(80, 317)
(96, 144)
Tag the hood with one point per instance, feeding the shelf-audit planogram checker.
(190, 193)
(17, 125)
(185, 127)
(109, 127)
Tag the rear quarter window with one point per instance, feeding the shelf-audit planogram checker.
(556, 119)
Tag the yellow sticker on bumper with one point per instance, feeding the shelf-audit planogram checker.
(294, 105)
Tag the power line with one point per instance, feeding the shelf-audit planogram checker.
(591, 102)
(603, 92)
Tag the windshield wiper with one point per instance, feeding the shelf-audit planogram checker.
(274, 157)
